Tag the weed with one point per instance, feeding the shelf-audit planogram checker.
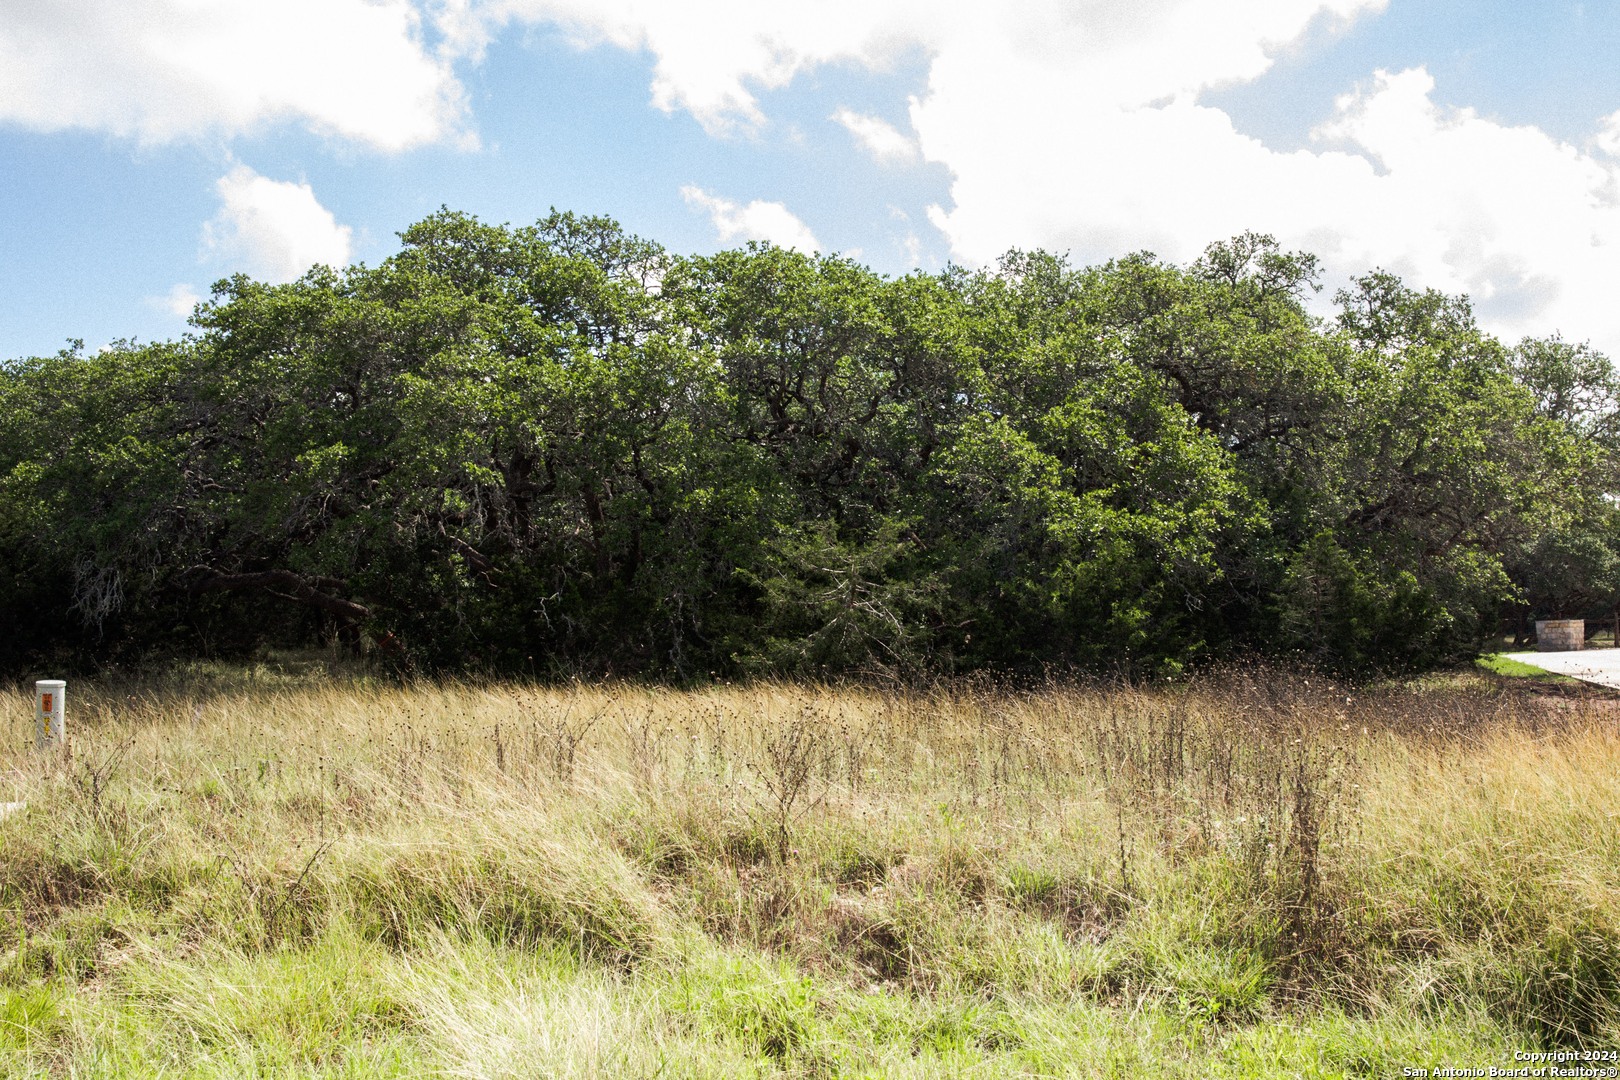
(790, 761)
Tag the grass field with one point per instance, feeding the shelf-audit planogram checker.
(281, 872)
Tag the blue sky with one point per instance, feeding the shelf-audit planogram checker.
(150, 147)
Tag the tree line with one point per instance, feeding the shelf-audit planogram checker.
(562, 449)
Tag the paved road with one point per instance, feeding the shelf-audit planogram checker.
(1601, 666)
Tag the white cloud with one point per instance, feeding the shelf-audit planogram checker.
(879, 138)
(274, 229)
(1607, 138)
(178, 301)
(709, 55)
(1527, 225)
(1077, 125)
(1071, 124)
(1086, 134)
(161, 70)
(759, 220)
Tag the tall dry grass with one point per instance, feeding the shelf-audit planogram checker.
(730, 878)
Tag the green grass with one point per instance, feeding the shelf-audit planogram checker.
(283, 874)
(1507, 666)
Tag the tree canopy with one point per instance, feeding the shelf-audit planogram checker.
(563, 449)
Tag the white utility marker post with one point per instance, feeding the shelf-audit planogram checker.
(50, 716)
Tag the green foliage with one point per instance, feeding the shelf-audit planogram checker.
(561, 449)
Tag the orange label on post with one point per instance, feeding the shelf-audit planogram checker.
(45, 700)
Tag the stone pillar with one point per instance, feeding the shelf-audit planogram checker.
(1560, 635)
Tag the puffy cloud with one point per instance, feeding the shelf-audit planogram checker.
(709, 55)
(1523, 223)
(1071, 124)
(1607, 138)
(179, 300)
(161, 70)
(274, 229)
(1527, 225)
(879, 138)
(1078, 126)
(759, 220)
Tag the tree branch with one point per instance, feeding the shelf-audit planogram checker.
(283, 583)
